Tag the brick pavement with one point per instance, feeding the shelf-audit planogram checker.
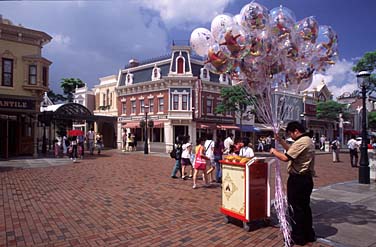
(120, 199)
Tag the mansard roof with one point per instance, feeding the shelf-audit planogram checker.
(143, 71)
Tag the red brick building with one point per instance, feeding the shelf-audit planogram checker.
(178, 94)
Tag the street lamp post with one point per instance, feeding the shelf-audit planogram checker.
(340, 128)
(364, 171)
(44, 143)
(146, 146)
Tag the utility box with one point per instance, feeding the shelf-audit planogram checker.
(246, 191)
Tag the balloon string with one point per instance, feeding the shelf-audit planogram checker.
(275, 115)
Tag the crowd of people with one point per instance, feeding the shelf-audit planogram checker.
(74, 146)
(129, 142)
(204, 158)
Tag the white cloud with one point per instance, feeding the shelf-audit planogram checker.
(184, 13)
(339, 78)
(60, 40)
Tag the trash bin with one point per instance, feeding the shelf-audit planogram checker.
(246, 191)
(372, 164)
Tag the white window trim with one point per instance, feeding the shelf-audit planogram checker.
(176, 63)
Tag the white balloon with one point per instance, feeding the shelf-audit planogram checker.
(201, 40)
(220, 24)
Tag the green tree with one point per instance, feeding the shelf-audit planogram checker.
(55, 97)
(367, 63)
(330, 110)
(372, 120)
(69, 85)
(236, 100)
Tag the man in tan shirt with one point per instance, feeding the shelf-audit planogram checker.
(301, 158)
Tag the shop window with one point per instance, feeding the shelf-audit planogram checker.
(7, 72)
(32, 74)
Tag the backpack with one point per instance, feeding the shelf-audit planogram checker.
(173, 153)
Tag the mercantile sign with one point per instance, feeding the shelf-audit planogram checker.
(19, 104)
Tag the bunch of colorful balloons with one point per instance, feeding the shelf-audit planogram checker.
(264, 48)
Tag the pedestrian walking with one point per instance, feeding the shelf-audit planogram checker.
(200, 163)
(90, 137)
(186, 159)
(322, 142)
(335, 145)
(353, 146)
(209, 152)
(99, 142)
(300, 158)
(73, 147)
(178, 146)
(219, 148)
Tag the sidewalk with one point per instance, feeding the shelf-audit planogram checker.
(102, 201)
(345, 214)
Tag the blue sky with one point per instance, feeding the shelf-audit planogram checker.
(92, 39)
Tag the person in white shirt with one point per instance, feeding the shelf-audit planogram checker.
(186, 158)
(209, 152)
(228, 143)
(353, 145)
(246, 150)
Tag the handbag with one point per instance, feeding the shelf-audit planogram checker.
(199, 162)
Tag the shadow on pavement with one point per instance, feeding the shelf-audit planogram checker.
(327, 214)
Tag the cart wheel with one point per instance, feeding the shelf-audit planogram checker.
(246, 226)
(227, 219)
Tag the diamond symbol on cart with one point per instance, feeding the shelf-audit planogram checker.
(229, 186)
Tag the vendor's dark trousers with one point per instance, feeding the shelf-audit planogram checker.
(354, 157)
(299, 189)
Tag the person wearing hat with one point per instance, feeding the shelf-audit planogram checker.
(300, 156)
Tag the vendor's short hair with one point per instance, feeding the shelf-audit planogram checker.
(295, 125)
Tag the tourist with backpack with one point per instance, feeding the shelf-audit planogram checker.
(176, 154)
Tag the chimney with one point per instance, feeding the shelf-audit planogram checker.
(133, 63)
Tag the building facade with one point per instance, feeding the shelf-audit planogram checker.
(177, 93)
(24, 78)
(106, 105)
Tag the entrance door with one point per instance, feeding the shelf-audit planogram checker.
(12, 137)
(180, 130)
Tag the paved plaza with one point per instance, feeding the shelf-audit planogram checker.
(123, 199)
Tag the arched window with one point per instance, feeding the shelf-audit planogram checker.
(180, 65)
(205, 73)
(155, 73)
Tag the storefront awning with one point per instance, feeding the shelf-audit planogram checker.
(206, 126)
(227, 127)
(249, 128)
(159, 124)
(131, 125)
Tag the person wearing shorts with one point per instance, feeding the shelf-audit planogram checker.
(200, 163)
(185, 159)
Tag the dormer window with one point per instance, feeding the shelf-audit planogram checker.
(180, 64)
(129, 79)
(156, 75)
(204, 74)
(223, 79)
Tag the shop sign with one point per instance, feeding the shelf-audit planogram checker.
(19, 104)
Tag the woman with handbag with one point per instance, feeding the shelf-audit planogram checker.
(199, 163)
